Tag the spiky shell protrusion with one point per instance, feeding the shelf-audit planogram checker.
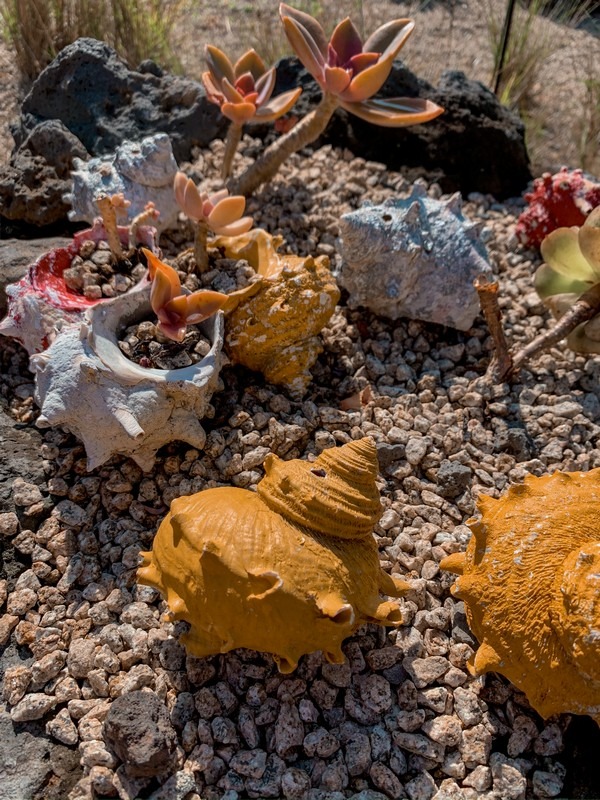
(273, 326)
(245, 575)
(530, 579)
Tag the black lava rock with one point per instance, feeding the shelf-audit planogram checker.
(103, 102)
(452, 478)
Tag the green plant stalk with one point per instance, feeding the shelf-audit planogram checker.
(200, 251)
(305, 132)
(232, 140)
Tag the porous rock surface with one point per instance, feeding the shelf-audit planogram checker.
(104, 103)
(33, 184)
(402, 717)
(137, 728)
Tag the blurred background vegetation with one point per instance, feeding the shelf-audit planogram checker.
(466, 35)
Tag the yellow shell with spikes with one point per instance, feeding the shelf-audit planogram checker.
(530, 579)
(288, 569)
(273, 325)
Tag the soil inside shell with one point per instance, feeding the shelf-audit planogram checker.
(146, 345)
(96, 273)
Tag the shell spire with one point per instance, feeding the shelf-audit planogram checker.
(335, 495)
(247, 569)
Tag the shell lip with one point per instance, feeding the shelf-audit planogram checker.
(105, 320)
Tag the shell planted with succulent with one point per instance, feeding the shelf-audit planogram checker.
(288, 569)
(85, 383)
(531, 586)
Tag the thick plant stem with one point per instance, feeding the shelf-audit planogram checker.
(200, 251)
(108, 213)
(305, 132)
(234, 134)
(586, 307)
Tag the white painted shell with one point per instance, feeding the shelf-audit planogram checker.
(85, 383)
(143, 171)
(414, 257)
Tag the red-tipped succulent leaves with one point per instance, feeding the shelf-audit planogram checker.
(175, 310)
(243, 90)
(221, 212)
(353, 71)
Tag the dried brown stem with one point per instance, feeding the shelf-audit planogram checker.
(501, 363)
(200, 251)
(234, 134)
(305, 132)
(586, 307)
(108, 213)
(146, 217)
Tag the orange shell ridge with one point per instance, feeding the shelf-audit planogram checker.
(530, 580)
(248, 569)
(273, 327)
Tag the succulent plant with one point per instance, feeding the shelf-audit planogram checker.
(110, 207)
(352, 71)
(349, 72)
(243, 93)
(571, 268)
(220, 212)
(174, 309)
(558, 200)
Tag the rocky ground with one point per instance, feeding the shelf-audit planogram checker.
(401, 717)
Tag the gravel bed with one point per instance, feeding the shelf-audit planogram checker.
(402, 717)
(96, 274)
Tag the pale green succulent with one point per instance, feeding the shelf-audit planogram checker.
(572, 266)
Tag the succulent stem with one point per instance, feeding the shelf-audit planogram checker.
(234, 134)
(145, 217)
(586, 307)
(305, 132)
(200, 251)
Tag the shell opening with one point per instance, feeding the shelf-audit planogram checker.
(345, 616)
(320, 473)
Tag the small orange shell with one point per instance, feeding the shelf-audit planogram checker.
(273, 325)
(287, 570)
(530, 579)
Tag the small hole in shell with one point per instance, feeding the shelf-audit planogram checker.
(320, 473)
(386, 217)
(345, 616)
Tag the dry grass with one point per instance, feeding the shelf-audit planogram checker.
(562, 81)
(39, 29)
(529, 45)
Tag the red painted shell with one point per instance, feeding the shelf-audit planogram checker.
(557, 201)
(41, 298)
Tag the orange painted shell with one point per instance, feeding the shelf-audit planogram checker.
(273, 325)
(530, 579)
(288, 569)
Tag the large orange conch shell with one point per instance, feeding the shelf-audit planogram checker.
(530, 579)
(288, 569)
(273, 325)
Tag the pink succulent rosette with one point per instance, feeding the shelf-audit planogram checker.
(353, 71)
(243, 90)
